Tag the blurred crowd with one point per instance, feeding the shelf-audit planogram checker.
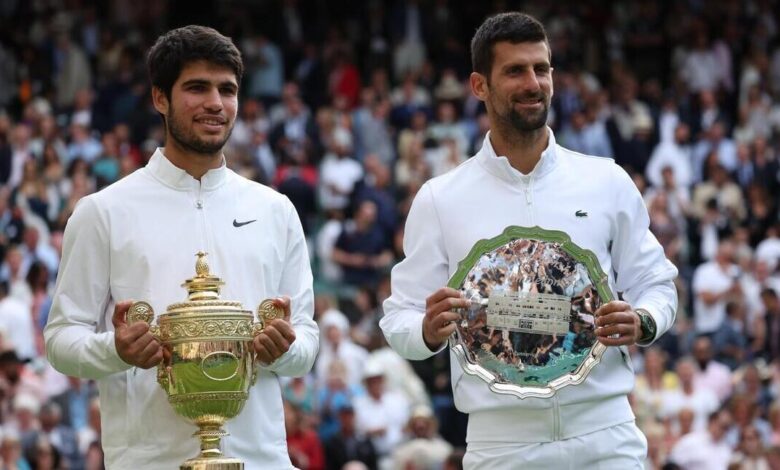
(348, 108)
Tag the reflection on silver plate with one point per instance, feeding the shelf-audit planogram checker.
(530, 328)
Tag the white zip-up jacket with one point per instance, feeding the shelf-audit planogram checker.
(136, 240)
(478, 200)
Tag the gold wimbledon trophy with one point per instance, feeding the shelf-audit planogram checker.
(209, 360)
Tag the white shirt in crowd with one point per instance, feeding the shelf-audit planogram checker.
(709, 277)
(390, 412)
(702, 402)
(697, 451)
(338, 177)
(17, 327)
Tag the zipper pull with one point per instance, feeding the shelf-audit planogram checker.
(199, 204)
(528, 195)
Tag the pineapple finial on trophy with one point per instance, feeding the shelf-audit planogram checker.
(204, 285)
(201, 265)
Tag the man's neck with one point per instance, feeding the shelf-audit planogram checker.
(523, 149)
(195, 164)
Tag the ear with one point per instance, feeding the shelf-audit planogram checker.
(160, 101)
(479, 85)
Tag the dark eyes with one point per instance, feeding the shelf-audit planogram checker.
(227, 91)
(539, 70)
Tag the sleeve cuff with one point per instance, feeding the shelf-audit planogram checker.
(113, 361)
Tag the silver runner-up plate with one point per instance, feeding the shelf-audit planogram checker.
(530, 328)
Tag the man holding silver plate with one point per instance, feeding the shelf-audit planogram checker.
(137, 239)
(516, 257)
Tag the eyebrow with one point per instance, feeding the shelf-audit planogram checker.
(203, 81)
(543, 63)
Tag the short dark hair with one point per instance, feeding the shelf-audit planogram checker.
(769, 292)
(514, 27)
(178, 47)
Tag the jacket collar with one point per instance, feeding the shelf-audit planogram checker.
(170, 175)
(499, 165)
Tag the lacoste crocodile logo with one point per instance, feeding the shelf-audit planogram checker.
(581, 213)
(241, 224)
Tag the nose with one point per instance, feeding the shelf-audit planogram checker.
(213, 101)
(531, 81)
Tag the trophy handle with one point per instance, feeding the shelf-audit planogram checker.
(141, 311)
(267, 311)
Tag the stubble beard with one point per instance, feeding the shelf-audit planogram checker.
(528, 123)
(187, 140)
(519, 123)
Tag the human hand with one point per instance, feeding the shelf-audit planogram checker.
(439, 321)
(134, 343)
(617, 324)
(277, 336)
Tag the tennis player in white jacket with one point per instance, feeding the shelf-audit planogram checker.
(136, 240)
(521, 177)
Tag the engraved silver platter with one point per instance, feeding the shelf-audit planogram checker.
(530, 328)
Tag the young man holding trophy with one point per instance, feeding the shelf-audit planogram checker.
(538, 344)
(136, 240)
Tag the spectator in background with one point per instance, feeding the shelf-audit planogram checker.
(18, 329)
(339, 172)
(83, 145)
(377, 186)
(71, 70)
(11, 457)
(337, 346)
(713, 148)
(768, 332)
(424, 449)
(652, 384)
(347, 445)
(336, 391)
(581, 135)
(705, 116)
(362, 250)
(710, 374)
(705, 449)
(302, 443)
(674, 154)
(714, 284)
(730, 340)
(265, 70)
(724, 191)
(57, 436)
(35, 249)
(745, 414)
(750, 452)
(344, 80)
(688, 395)
(380, 415)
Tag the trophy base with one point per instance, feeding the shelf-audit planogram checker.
(212, 464)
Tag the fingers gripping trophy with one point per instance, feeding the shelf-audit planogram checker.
(208, 359)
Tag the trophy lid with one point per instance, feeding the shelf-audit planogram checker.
(204, 291)
(204, 286)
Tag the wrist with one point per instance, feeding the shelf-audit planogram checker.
(647, 326)
(432, 343)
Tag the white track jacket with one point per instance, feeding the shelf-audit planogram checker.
(137, 239)
(478, 200)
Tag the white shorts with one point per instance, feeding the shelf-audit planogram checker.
(621, 447)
